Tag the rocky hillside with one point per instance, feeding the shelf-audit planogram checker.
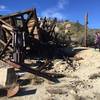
(76, 31)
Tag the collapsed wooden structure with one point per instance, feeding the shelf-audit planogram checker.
(23, 31)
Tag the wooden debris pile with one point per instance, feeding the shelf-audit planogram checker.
(23, 32)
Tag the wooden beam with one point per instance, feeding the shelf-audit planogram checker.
(2, 42)
(86, 29)
(3, 34)
(6, 46)
(3, 22)
(7, 31)
(7, 27)
(12, 21)
(32, 30)
(50, 76)
(29, 17)
(17, 14)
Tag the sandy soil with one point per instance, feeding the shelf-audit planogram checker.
(80, 83)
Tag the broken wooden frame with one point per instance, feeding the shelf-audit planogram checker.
(18, 22)
(27, 24)
(21, 26)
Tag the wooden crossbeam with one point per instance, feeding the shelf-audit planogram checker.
(2, 42)
(6, 46)
(17, 14)
(3, 22)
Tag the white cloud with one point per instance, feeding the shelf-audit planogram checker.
(2, 7)
(56, 11)
(62, 3)
(52, 13)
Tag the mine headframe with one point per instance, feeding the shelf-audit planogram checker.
(15, 31)
(19, 31)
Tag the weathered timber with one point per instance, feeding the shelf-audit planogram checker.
(7, 32)
(24, 31)
(13, 90)
(2, 42)
(7, 27)
(50, 76)
(17, 14)
(3, 22)
(6, 46)
(7, 75)
(86, 30)
(8, 79)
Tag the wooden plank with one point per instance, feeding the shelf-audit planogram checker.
(29, 17)
(12, 21)
(7, 27)
(7, 75)
(2, 42)
(86, 29)
(7, 32)
(50, 76)
(3, 34)
(17, 14)
(3, 22)
(6, 46)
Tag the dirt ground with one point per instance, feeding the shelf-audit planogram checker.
(80, 83)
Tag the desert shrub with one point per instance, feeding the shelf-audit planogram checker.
(77, 33)
(90, 40)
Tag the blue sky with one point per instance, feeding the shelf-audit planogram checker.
(68, 9)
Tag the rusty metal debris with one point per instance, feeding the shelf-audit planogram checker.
(13, 90)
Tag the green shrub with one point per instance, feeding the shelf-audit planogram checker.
(90, 40)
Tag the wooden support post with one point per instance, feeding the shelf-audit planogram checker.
(12, 21)
(86, 29)
(29, 17)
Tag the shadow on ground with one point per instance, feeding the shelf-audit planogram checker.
(25, 92)
(22, 92)
(55, 53)
(3, 92)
